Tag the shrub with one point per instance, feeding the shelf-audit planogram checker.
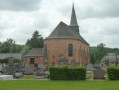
(5, 60)
(113, 73)
(67, 73)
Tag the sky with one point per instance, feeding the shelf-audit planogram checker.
(98, 19)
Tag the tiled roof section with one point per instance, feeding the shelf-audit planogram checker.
(64, 31)
(35, 52)
(7, 55)
(110, 58)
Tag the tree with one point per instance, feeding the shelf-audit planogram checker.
(92, 58)
(97, 54)
(100, 53)
(36, 41)
(9, 46)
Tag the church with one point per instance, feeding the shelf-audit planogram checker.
(64, 45)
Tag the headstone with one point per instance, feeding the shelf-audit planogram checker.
(62, 61)
(6, 77)
(72, 63)
(40, 66)
(29, 70)
(18, 75)
(4, 65)
(99, 74)
(40, 75)
(10, 70)
(0, 67)
(90, 67)
(17, 67)
(0, 73)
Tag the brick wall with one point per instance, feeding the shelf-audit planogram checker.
(60, 46)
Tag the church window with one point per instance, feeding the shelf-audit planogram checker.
(70, 50)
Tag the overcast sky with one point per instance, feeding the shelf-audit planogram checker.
(98, 19)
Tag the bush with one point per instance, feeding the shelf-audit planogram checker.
(113, 73)
(66, 73)
(5, 60)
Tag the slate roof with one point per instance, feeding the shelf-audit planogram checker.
(73, 21)
(65, 32)
(110, 58)
(7, 55)
(34, 52)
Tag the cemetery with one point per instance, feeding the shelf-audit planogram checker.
(63, 60)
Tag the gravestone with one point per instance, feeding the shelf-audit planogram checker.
(99, 74)
(40, 75)
(72, 63)
(90, 67)
(17, 67)
(10, 70)
(29, 70)
(4, 65)
(0, 67)
(40, 66)
(18, 75)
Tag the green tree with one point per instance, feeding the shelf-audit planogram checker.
(36, 41)
(92, 57)
(97, 54)
(9, 46)
(101, 52)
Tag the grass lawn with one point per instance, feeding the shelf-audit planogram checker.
(58, 85)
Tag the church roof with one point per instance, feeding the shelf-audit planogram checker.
(73, 21)
(35, 52)
(64, 31)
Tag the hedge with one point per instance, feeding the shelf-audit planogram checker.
(67, 73)
(5, 60)
(113, 72)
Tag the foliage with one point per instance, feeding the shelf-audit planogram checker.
(66, 73)
(9, 46)
(97, 54)
(36, 41)
(113, 72)
(5, 60)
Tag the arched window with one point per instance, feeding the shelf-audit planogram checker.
(45, 49)
(70, 50)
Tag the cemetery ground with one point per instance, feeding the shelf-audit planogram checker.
(58, 85)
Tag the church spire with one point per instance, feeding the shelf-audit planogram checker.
(73, 22)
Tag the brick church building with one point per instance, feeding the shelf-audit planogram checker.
(65, 45)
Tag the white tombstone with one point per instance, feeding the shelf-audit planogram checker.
(6, 77)
(0, 67)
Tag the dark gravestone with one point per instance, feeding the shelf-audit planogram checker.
(10, 70)
(99, 74)
(40, 75)
(17, 67)
(29, 70)
(72, 63)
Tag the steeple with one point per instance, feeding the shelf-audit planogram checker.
(73, 22)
